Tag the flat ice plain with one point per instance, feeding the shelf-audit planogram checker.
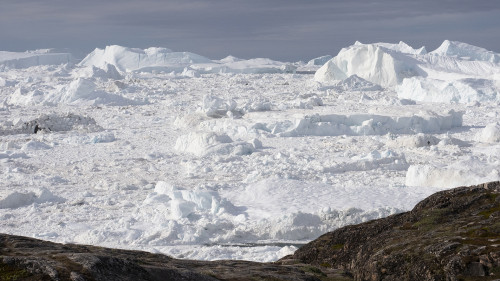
(176, 153)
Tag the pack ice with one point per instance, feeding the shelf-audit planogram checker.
(173, 152)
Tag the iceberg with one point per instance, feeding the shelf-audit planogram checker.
(373, 62)
(13, 60)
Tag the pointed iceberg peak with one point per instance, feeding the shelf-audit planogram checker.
(401, 47)
(466, 51)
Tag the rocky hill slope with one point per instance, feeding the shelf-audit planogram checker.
(451, 235)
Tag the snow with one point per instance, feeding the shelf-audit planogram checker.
(174, 153)
(356, 83)
(204, 143)
(463, 173)
(16, 199)
(490, 133)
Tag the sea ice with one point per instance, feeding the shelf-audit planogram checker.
(171, 152)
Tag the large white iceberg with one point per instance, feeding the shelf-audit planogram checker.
(455, 72)
(162, 59)
(134, 59)
(27, 59)
(465, 51)
(383, 64)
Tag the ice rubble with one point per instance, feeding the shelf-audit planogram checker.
(268, 210)
(299, 125)
(454, 73)
(216, 107)
(358, 152)
(177, 203)
(78, 91)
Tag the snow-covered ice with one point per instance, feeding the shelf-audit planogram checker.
(172, 152)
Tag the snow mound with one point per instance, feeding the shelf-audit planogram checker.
(108, 71)
(89, 138)
(257, 105)
(388, 160)
(216, 107)
(13, 60)
(16, 199)
(134, 59)
(178, 203)
(490, 133)
(418, 140)
(465, 51)
(230, 59)
(307, 102)
(205, 143)
(458, 91)
(372, 62)
(35, 145)
(356, 83)
(369, 124)
(190, 73)
(84, 91)
(463, 173)
(13, 155)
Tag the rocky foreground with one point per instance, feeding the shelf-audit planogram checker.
(451, 235)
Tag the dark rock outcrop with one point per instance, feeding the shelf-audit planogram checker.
(23, 258)
(451, 235)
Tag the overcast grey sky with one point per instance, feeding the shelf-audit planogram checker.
(287, 30)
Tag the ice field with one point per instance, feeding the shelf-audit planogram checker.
(176, 153)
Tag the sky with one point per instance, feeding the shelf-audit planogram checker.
(287, 30)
